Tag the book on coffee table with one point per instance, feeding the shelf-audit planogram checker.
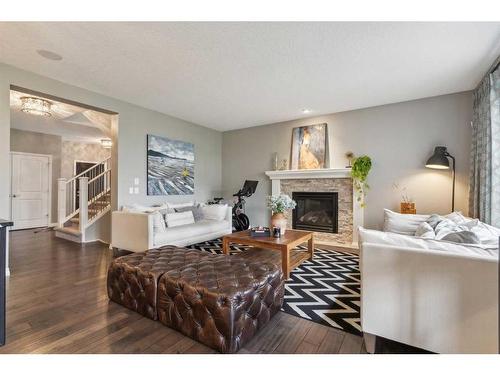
(260, 232)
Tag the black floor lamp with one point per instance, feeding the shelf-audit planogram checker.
(439, 160)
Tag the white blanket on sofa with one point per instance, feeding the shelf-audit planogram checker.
(470, 231)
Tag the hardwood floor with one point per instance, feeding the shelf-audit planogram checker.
(57, 303)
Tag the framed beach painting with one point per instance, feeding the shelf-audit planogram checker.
(309, 147)
(170, 166)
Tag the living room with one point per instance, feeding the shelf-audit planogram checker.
(268, 187)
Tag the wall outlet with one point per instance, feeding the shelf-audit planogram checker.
(136, 181)
(131, 190)
(136, 190)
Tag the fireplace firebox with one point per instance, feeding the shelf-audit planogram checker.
(316, 212)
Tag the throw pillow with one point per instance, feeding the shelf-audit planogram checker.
(424, 230)
(158, 222)
(179, 218)
(196, 210)
(402, 223)
(465, 237)
(180, 205)
(214, 212)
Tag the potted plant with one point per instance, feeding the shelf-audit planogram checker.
(279, 204)
(406, 206)
(359, 172)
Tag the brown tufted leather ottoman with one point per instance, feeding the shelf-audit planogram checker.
(221, 301)
(133, 279)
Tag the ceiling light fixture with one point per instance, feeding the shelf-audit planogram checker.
(49, 55)
(305, 111)
(35, 106)
(106, 143)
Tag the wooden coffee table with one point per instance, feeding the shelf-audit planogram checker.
(290, 240)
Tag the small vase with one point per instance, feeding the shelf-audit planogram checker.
(279, 220)
(408, 208)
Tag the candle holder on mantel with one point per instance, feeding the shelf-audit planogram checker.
(408, 208)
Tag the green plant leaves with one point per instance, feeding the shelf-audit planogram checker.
(359, 172)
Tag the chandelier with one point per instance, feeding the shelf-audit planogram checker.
(35, 106)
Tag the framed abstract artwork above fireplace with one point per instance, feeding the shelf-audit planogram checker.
(309, 147)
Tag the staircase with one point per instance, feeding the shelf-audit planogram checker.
(83, 200)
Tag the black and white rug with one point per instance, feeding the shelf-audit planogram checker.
(325, 290)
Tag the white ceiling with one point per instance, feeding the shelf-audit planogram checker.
(72, 123)
(235, 75)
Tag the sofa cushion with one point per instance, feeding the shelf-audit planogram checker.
(412, 243)
(214, 211)
(402, 223)
(200, 228)
(180, 205)
(179, 218)
(197, 211)
(158, 222)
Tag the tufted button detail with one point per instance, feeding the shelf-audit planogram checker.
(239, 298)
(221, 301)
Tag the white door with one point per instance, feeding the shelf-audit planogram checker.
(30, 190)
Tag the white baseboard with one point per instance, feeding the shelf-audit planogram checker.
(102, 241)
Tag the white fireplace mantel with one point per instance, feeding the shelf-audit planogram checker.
(357, 210)
(309, 173)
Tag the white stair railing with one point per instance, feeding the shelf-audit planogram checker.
(92, 187)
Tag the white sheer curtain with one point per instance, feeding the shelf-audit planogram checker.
(495, 146)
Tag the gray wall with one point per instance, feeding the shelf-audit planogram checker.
(134, 123)
(38, 143)
(79, 151)
(398, 137)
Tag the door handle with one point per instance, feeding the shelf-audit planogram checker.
(14, 196)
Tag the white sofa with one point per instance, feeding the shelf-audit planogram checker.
(134, 231)
(426, 296)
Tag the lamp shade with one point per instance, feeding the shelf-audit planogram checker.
(438, 160)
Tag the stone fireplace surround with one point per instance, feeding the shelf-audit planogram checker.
(350, 215)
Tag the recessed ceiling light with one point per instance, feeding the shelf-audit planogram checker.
(306, 111)
(49, 54)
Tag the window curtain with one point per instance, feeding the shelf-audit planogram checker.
(484, 184)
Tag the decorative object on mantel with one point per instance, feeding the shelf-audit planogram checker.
(283, 165)
(279, 204)
(170, 166)
(439, 160)
(349, 155)
(406, 206)
(359, 172)
(275, 161)
(309, 147)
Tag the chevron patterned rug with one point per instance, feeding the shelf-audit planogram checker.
(325, 290)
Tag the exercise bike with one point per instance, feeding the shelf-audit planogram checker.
(240, 220)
